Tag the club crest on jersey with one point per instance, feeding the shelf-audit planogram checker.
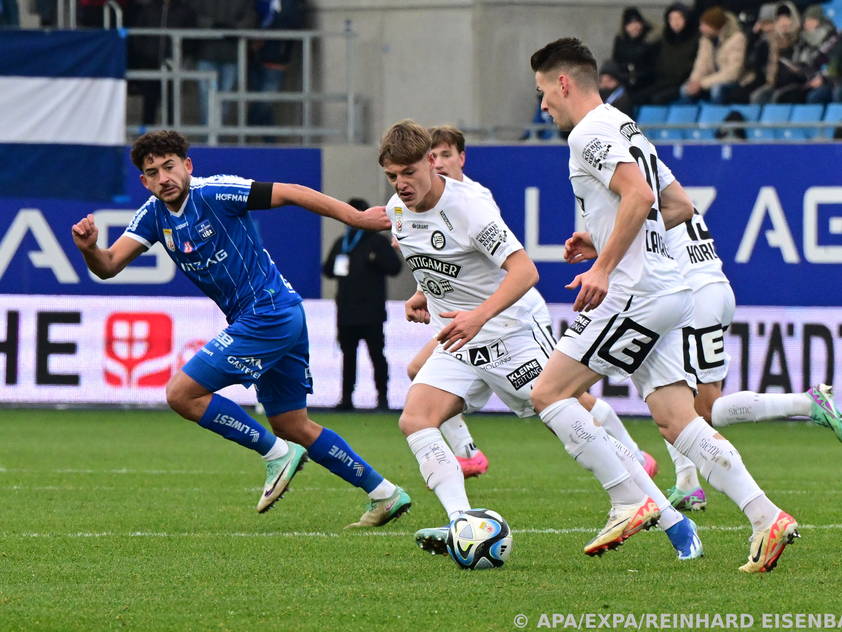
(205, 229)
(187, 247)
(437, 240)
(168, 240)
(398, 218)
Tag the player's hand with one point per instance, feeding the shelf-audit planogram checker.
(374, 218)
(85, 233)
(579, 247)
(416, 309)
(594, 284)
(463, 327)
(396, 244)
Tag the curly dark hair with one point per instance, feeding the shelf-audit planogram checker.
(159, 143)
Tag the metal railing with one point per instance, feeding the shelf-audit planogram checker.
(175, 74)
(531, 132)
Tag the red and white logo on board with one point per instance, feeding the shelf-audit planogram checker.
(138, 349)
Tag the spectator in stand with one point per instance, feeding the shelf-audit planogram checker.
(677, 50)
(360, 260)
(815, 45)
(221, 55)
(270, 58)
(719, 61)
(9, 14)
(151, 52)
(759, 59)
(611, 88)
(633, 52)
(781, 71)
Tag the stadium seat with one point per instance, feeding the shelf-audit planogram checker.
(833, 114)
(710, 114)
(749, 112)
(678, 114)
(648, 117)
(803, 113)
(771, 113)
(834, 12)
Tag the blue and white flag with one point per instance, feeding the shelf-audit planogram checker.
(62, 114)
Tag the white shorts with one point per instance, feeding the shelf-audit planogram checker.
(508, 367)
(704, 342)
(634, 336)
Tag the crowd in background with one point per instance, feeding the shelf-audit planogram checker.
(777, 52)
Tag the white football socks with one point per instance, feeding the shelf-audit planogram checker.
(721, 464)
(686, 474)
(669, 515)
(605, 416)
(458, 436)
(277, 451)
(749, 406)
(590, 447)
(440, 470)
(385, 489)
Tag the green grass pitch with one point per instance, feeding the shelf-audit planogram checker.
(137, 520)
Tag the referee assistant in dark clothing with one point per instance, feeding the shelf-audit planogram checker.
(360, 261)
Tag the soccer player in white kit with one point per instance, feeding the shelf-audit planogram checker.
(473, 274)
(634, 304)
(692, 245)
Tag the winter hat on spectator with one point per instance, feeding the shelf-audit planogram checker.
(714, 18)
(816, 12)
(783, 9)
(632, 14)
(766, 12)
(612, 69)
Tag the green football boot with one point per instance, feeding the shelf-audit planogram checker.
(279, 473)
(823, 411)
(379, 512)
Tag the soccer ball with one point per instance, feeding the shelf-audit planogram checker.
(479, 539)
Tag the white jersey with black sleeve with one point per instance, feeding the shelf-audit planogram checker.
(603, 139)
(455, 251)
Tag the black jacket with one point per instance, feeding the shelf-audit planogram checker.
(361, 296)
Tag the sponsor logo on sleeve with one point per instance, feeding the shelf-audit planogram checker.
(630, 129)
(524, 374)
(595, 152)
(491, 236)
(582, 321)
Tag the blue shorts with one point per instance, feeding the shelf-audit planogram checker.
(270, 351)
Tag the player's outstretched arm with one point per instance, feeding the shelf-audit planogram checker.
(676, 206)
(372, 219)
(636, 200)
(104, 262)
(521, 275)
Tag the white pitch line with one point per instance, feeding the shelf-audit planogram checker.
(365, 534)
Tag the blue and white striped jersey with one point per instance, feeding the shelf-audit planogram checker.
(215, 243)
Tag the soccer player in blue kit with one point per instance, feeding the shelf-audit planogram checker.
(205, 228)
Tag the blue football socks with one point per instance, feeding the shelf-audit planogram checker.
(333, 452)
(228, 419)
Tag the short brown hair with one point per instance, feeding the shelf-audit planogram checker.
(159, 143)
(715, 18)
(448, 135)
(404, 143)
(568, 53)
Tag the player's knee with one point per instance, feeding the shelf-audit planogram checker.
(542, 396)
(410, 422)
(176, 398)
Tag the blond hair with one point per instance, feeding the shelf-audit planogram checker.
(404, 143)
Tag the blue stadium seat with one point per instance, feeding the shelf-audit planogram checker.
(834, 12)
(678, 114)
(771, 113)
(749, 112)
(709, 114)
(803, 113)
(833, 114)
(648, 116)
